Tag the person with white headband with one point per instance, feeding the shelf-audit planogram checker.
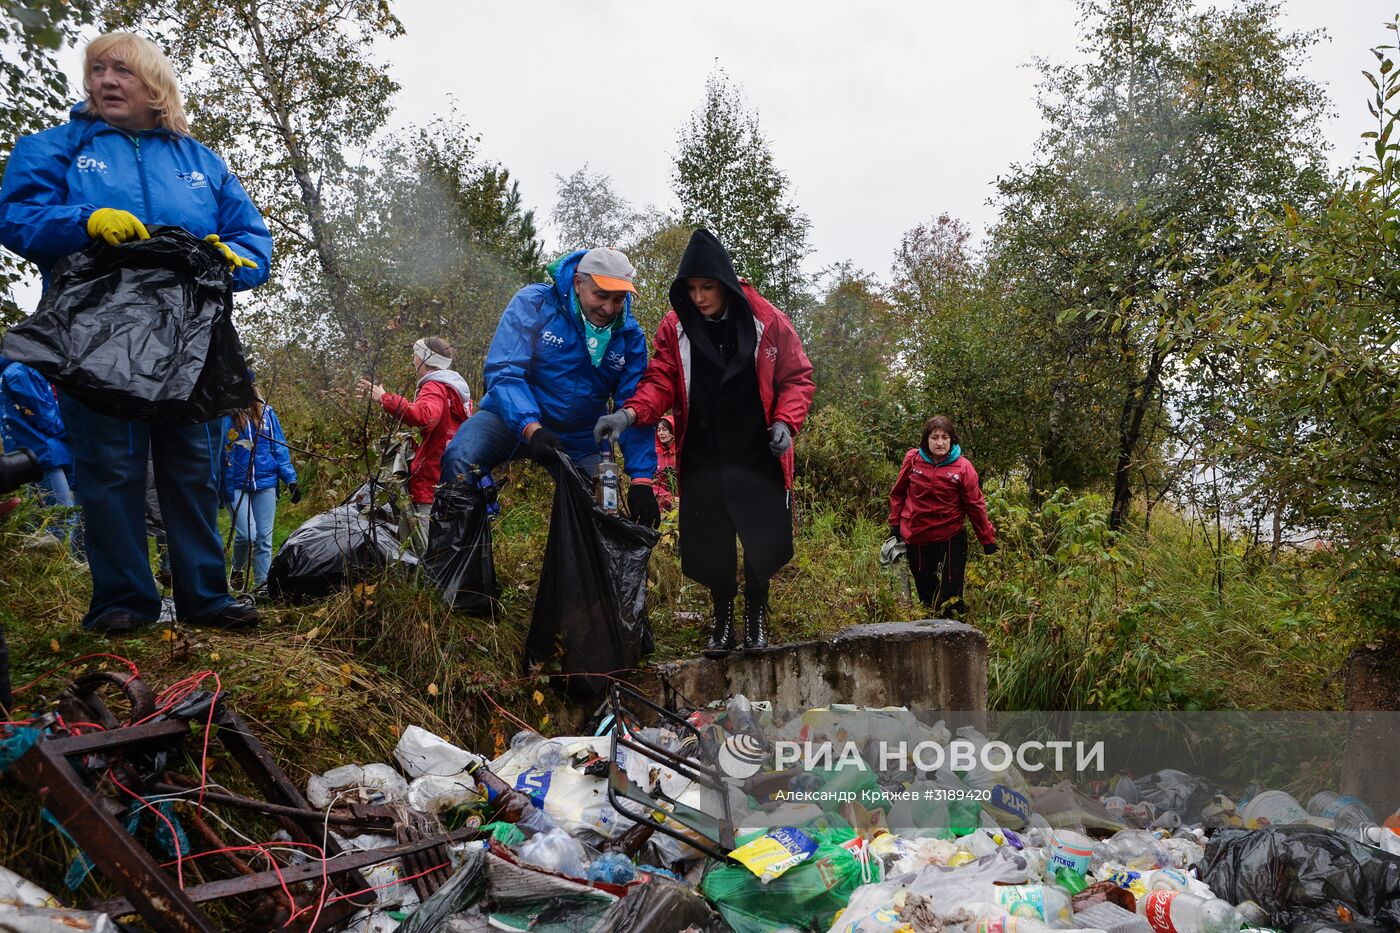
(442, 403)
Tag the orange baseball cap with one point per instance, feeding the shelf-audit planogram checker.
(610, 269)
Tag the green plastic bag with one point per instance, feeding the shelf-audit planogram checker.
(808, 894)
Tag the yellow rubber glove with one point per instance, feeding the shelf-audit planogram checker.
(114, 226)
(234, 260)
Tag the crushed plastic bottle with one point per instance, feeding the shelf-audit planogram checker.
(1131, 848)
(1045, 902)
(1339, 809)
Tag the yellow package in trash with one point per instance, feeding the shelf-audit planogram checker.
(774, 852)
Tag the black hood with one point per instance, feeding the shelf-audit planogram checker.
(706, 257)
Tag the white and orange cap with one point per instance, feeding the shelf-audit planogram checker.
(610, 269)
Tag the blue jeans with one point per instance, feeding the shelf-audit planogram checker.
(254, 512)
(56, 492)
(486, 441)
(110, 474)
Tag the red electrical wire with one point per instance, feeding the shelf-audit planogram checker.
(260, 848)
(174, 839)
(387, 884)
(115, 657)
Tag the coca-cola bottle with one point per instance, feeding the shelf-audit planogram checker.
(1179, 912)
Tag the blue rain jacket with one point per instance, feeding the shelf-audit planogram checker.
(56, 179)
(538, 369)
(29, 415)
(256, 461)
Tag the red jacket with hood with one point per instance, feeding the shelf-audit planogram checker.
(930, 502)
(442, 404)
(784, 374)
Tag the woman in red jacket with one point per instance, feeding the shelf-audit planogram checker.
(664, 479)
(442, 403)
(936, 492)
(733, 369)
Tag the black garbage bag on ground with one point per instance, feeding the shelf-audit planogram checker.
(335, 549)
(662, 906)
(141, 331)
(1306, 878)
(458, 559)
(590, 610)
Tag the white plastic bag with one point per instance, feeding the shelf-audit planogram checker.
(419, 752)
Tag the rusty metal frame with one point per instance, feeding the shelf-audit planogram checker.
(150, 890)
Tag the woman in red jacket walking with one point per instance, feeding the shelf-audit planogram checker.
(442, 403)
(733, 369)
(936, 492)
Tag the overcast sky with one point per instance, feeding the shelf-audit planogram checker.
(883, 114)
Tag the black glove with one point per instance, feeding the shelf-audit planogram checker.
(295, 492)
(990, 548)
(641, 503)
(894, 533)
(545, 447)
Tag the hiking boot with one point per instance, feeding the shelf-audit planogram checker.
(232, 616)
(117, 624)
(721, 630)
(755, 626)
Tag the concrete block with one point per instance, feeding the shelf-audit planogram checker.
(929, 664)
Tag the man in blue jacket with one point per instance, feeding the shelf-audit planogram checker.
(561, 351)
(29, 417)
(126, 160)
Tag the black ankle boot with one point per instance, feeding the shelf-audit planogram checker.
(722, 629)
(755, 625)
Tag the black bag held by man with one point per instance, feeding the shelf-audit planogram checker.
(590, 611)
(458, 559)
(141, 331)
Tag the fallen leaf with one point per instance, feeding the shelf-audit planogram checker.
(432, 690)
(214, 656)
(53, 644)
(538, 698)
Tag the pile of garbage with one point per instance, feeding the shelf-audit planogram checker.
(680, 823)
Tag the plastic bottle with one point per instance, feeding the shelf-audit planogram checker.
(543, 754)
(631, 842)
(508, 804)
(1176, 912)
(1132, 848)
(608, 483)
(1045, 902)
(1339, 809)
(612, 868)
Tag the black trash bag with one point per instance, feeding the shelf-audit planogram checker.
(335, 549)
(458, 559)
(590, 610)
(141, 331)
(1306, 878)
(662, 906)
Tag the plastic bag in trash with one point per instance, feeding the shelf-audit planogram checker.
(807, 895)
(556, 851)
(373, 783)
(420, 752)
(334, 549)
(466, 887)
(590, 610)
(1304, 876)
(141, 331)
(458, 559)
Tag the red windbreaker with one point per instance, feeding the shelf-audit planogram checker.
(784, 374)
(929, 503)
(437, 412)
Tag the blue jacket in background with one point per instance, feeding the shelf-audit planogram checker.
(538, 369)
(29, 415)
(56, 179)
(256, 461)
